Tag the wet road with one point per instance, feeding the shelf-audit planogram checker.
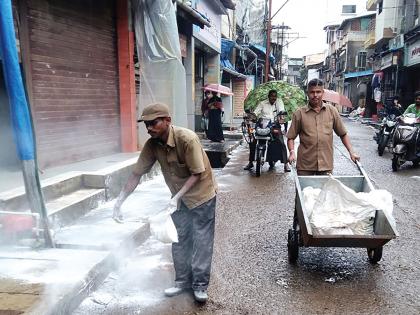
(250, 272)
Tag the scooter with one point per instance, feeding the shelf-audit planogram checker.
(385, 133)
(405, 140)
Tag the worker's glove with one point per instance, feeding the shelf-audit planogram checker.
(116, 213)
(172, 206)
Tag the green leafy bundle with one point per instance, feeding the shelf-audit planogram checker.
(293, 97)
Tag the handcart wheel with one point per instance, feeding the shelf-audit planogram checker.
(374, 254)
(292, 246)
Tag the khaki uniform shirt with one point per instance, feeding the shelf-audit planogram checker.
(315, 131)
(180, 157)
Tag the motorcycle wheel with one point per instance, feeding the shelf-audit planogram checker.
(395, 164)
(259, 164)
(383, 141)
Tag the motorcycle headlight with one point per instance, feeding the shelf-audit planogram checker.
(262, 131)
(390, 123)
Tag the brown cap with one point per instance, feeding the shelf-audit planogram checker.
(153, 111)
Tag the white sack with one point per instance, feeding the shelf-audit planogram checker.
(162, 227)
(337, 209)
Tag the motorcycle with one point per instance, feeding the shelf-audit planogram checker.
(385, 133)
(405, 140)
(264, 134)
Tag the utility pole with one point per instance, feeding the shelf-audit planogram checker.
(281, 50)
(268, 45)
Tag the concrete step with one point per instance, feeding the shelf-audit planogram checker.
(67, 208)
(52, 188)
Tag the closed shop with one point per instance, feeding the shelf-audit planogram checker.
(74, 72)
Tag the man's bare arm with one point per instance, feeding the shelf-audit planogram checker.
(346, 141)
(191, 181)
(291, 147)
(129, 187)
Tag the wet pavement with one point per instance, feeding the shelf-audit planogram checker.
(250, 272)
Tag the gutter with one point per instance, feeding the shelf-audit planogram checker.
(197, 16)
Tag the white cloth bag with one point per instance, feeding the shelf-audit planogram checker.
(162, 227)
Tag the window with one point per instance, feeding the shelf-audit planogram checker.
(361, 61)
(349, 9)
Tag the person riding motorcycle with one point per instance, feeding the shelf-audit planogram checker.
(414, 108)
(269, 109)
(395, 108)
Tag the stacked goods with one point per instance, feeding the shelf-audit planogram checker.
(292, 96)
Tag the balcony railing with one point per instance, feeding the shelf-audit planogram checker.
(370, 40)
(371, 5)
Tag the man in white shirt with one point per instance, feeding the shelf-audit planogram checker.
(267, 109)
(270, 107)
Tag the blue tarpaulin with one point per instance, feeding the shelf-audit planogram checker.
(225, 53)
(261, 49)
(21, 121)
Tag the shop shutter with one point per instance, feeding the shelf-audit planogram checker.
(73, 57)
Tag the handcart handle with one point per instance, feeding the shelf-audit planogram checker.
(365, 175)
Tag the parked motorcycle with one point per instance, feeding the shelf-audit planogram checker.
(405, 140)
(386, 132)
(265, 133)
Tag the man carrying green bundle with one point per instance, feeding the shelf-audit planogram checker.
(269, 109)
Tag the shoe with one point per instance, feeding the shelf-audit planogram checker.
(201, 296)
(174, 291)
(272, 165)
(249, 166)
(286, 168)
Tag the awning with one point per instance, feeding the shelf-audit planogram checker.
(225, 64)
(196, 17)
(234, 73)
(261, 49)
(357, 74)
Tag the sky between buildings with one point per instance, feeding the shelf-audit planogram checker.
(308, 18)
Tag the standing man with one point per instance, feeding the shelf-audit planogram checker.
(188, 174)
(268, 109)
(414, 108)
(314, 124)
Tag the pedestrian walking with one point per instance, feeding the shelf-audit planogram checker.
(205, 111)
(188, 174)
(314, 124)
(215, 114)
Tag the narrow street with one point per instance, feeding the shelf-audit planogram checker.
(251, 273)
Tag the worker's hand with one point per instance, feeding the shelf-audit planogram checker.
(354, 157)
(116, 214)
(292, 157)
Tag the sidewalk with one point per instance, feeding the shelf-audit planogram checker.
(54, 281)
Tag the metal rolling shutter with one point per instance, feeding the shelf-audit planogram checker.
(73, 57)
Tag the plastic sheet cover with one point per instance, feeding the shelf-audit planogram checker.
(19, 110)
(162, 75)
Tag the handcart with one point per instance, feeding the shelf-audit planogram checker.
(301, 234)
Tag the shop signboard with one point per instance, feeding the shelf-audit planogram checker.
(386, 61)
(211, 36)
(412, 54)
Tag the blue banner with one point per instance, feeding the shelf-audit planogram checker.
(21, 120)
